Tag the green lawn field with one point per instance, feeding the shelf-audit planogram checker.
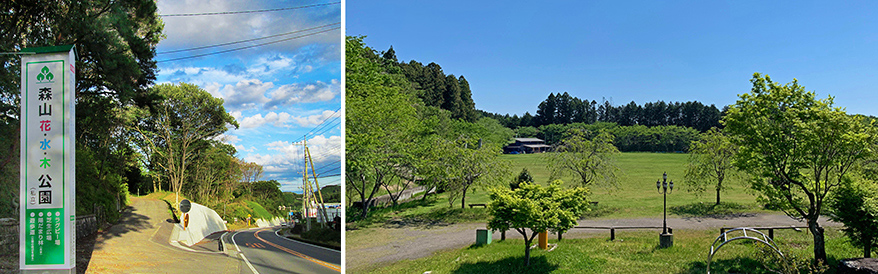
(635, 252)
(634, 196)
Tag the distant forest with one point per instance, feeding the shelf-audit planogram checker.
(564, 109)
(655, 126)
(453, 93)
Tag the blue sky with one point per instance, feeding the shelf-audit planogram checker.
(624, 51)
(278, 93)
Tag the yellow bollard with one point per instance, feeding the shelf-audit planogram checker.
(544, 240)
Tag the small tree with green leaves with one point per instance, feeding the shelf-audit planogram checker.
(855, 204)
(536, 208)
(591, 160)
(523, 177)
(710, 162)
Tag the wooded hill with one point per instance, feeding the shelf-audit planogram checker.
(565, 109)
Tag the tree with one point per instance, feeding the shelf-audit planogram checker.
(546, 111)
(451, 98)
(536, 208)
(590, 160)
(390, 54)
(466, 97)
(250, 172)
(710, 161)
(523, 177)
(855, 204)
(797, 148)
(527, 120)
(473, 167)
(186, 115)
(214, 174)
(381, 123)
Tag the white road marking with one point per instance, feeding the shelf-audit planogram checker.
(242, 254)
(248, 264)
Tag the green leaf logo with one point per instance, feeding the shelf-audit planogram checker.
(45, 74)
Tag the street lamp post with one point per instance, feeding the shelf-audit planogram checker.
(666, 239)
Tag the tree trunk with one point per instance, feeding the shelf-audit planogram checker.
(867, 247)
(365, 210)
(819, 241)
(526, 252)
(463, 198)
(427, 191)
(717, 195)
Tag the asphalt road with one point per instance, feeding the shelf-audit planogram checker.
(265, 252)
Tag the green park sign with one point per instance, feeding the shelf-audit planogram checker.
(47, 222)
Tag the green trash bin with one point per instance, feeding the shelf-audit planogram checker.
(483, 237)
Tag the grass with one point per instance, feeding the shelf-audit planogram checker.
(633, 252)
(635, 196)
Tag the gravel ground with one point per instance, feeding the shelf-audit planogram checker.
(405, 243)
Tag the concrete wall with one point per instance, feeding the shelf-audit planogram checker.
(269, 223)
(202, 222)
(85, 226)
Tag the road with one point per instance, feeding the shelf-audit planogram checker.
(265, 252)
(139, 244)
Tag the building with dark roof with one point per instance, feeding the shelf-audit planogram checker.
(526, 145)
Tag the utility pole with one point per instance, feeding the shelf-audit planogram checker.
(309, 199)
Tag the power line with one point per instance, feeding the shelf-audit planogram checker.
(244, 41)
(246, 11)
(247, 47)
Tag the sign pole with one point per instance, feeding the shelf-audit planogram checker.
(47, 188)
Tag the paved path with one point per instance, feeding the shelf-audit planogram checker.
(397, 244)
(267, 252)
(139, 244)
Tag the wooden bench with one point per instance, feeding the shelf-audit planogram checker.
(475, 205)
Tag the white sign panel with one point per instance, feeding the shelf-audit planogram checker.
(47, 223)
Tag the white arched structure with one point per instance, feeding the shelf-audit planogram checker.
(756, 236)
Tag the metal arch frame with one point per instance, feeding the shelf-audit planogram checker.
(724, 236)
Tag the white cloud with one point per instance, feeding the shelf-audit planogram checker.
(244, 148)
(208, 30)
(303, 93)
(271, 65)
(271, 118)
(246, 94)
(228, 139)
(282, 119)
(313, 120)
(202, 76)
(325, 151)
